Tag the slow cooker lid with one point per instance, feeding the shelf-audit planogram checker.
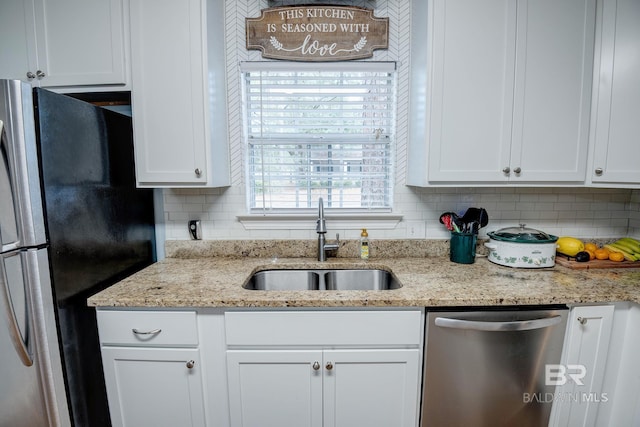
(522, 234)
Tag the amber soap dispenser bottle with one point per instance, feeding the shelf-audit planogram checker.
(364, 244)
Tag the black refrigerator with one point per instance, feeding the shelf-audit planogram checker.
(72, 223)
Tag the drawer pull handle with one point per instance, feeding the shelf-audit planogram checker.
(329, 366)
(582, 320)
(316, 366)
(191, 364)
(153, 332)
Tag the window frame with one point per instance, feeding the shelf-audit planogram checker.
(268, 66)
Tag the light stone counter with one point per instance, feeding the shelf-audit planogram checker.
(427, 281)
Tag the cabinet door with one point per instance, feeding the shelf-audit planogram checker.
(552, 98)
(154, 386)
(63, 42)
(80, 42)
(511, 85)
(169, 91)
(472, 89)
(270, 388)
(617, 128)
(17, 39)
(581, 375)
(371, 388)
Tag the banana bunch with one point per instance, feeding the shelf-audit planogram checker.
(627, 246)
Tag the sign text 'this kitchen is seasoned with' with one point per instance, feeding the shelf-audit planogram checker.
(317, 33)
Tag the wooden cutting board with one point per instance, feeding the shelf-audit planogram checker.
(596, 263)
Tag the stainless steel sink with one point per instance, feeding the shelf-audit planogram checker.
(309, 280)
(284, 280)
(360, 280)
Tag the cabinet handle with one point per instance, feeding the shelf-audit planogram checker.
(30, 75)
(153, 332)
(40, 74)
(191, 364)
(506, 170)
(198, 172)
(316, 366)
(582, 320)
(517, 170)
(599, 171)
(329, 366)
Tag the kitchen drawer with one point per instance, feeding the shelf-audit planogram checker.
(154, 328)
(322, 328)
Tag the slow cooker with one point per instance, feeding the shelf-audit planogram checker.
(522, 247)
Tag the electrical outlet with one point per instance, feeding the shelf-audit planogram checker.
(416, 230)
(195, 230)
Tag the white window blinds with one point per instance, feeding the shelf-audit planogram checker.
(319, 130)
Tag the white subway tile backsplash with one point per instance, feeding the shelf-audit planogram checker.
(599, 213)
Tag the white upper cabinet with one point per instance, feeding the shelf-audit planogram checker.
(179, 122)
(472, 89)
(507, 92)
(64, 43)
(617, 106)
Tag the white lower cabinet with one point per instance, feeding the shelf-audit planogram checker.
(263, 368)
(323, 387)
(580, 375)
(622, 374)
(153, 386)
(371, 387)
(152, 368)
(275, 388)
(303, 372)
(246, 368)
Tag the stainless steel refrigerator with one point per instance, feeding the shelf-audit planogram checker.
(72, 222)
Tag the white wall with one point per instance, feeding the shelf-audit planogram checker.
(578, 212)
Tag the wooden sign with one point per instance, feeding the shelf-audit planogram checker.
(317, 33)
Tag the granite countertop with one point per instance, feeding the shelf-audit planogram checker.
(427, 281)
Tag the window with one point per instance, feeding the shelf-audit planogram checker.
(319, 130)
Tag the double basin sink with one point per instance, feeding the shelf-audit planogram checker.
(330, 280)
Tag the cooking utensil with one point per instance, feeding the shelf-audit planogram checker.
(474, 219)
(472, 214)
(483, 217)
(449, 220)
(447, 214)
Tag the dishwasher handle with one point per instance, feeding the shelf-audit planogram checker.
(519, 325)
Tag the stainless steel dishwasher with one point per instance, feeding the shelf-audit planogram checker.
(487, 368)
